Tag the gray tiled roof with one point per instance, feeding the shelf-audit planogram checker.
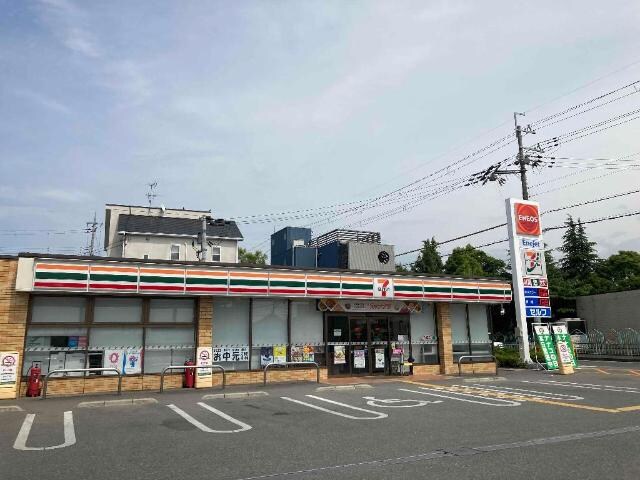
(176, 226)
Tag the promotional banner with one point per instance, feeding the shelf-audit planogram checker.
(280, 353)
(561, 335)
(308, 354)
(9, 374)
(297, 353)
(359, 359)
(112, 359)
(379, 357)
(204, 376)
(545, 340)
(133, 362)
(230, 354)
(266, 356)
(339, 357)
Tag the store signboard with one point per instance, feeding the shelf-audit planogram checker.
(204, 376)
(545, 340)
(9, 363)
(530, 284)
(561, 335)
(383, 306)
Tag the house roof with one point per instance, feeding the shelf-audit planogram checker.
(177, 226)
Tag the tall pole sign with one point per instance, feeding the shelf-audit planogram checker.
(528, 269)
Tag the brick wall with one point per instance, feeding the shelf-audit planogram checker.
(426, 369)
(13, 311)
(445, 347)
(484, 367)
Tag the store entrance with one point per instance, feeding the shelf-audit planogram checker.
(359, 344)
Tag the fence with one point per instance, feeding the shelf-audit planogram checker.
(612, 343)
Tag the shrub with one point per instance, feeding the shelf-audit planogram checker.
(508, 358)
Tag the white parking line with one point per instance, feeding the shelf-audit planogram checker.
(588, 386)
(499, 402)
(376, 415)
(397, 402)
(243, 426)
(527, 393)
(23, 435)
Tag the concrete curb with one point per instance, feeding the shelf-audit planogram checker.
(356, 386)
(118, 403)
(214, 396)
(11, 408)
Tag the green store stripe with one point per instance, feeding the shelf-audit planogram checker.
(437, 289)
(155, 279)
(61, 276)
(113, 278)
(206, 281)
(254, 283)
(465, 290)
(357, 286)
(287, 283)
(323, 285)
(486, 291)
(408, 288)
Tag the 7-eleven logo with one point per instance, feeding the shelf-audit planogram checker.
(382, 288)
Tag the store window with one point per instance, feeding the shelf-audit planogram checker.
(307, 344)
(171, 310)
(459, 330)
(269, 332)
(55, 348)
(231, 333)
(479, 329)
(215, 253)
(58, 309)
(424, 336)
(167, 346)
(116, 347)
(117, 310)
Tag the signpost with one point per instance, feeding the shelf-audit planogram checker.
(529, 273)
(546, 344)
(561, 336)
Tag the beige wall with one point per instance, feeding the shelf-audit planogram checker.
(610, 310)
(137, 246)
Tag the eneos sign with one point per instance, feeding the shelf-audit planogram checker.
(527, 219)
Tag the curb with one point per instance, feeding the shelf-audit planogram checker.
(213, 396)
(11, 408)
(118, 403)
(345, 387)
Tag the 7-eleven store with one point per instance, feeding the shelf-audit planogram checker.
(141, 316)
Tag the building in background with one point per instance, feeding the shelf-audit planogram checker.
(344, 249)
(167, 234)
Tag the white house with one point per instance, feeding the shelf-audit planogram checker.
(167, 234)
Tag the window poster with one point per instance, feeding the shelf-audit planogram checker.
(57, 360)
(280, 354)
(133, 364)
(230, 354)
(74, 360)
(308, 354)
(339, 357)
(379, 357)
(359, 359)
(112, 359)
(297, 353)
(266, 356)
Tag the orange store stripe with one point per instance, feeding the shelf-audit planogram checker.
(54, 266)
(162, 270)
(407, 282)
(114, 269)
(357, 279)
(287, 277)
(322, 278)
(204, 273)
(250, 275)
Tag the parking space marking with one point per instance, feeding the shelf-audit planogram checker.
(499, 401)
(588, 386)
(397, 402)
(23, 435)
(528, 393)
(376, 415)
(243, 426)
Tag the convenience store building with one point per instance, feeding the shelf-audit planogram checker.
(77, 312)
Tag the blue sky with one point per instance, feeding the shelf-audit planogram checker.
(256, 107)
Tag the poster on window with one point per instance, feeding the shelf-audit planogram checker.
(279, 354)
(339, 357)
(57, 360)
(74, 361)
(132, 362)
(112, 359)
(359, 359)
(308, 354)
(266, 356)
(297, 353)
(379, 357)
(230, 354)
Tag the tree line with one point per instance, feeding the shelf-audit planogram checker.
(578, 271)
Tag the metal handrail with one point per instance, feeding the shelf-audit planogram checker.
(195, 367)
(68, 370)
(495, 360)
(266, 367)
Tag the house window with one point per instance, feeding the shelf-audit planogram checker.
(175, 252)
(215, 254)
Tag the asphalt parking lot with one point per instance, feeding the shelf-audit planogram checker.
(523, 422)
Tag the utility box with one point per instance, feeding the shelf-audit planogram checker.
(283, 241)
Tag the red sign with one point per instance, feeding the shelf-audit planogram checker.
(527, 219)
(543, 302)
(543, 292)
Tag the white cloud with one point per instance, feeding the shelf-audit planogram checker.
(43, 101)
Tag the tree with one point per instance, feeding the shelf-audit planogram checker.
(255, 258)
(580, 257)
(401, 268)
(621, 270)
(429, 259)
(471, 262)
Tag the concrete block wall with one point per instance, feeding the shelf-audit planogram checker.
(445, 346)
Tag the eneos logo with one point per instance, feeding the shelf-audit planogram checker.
(527, 219)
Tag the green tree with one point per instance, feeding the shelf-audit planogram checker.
(621, 271)
(580, 258)
(471, 262)
(255, 258)
(401, 268)
(429, 259)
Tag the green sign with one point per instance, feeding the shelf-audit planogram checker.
(545, 340)
(561, 334)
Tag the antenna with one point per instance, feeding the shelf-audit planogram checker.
(92, 228)
(151, 194)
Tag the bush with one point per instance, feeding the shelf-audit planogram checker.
(508, 358)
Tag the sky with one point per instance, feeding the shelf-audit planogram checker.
(255, 107)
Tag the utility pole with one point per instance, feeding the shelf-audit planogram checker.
(92, 228)
(521, 158)
(202, 254)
